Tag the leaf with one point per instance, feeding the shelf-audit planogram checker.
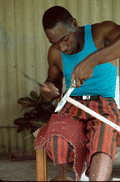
(26, 102)
(21, 128)
(20, 121)
(36, 123)
(34, 96)
(38, 116)
(25, 107)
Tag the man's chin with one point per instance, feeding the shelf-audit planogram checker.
(69, 52)
(73, 51)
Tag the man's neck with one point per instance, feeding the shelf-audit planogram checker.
(81, 35)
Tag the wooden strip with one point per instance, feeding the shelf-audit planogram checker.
(93, 113)
(41, 165)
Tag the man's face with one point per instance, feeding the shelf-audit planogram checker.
(63, 38)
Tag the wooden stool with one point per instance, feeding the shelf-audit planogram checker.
(41, 164)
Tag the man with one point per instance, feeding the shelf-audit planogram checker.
(82, 54)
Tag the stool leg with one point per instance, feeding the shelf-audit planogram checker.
(41, 165)
(63, 171)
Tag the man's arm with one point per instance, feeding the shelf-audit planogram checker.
(110, 51)
(53, 85)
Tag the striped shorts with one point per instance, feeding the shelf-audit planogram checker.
(100, 137)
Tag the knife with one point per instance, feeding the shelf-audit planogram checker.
(63, 101)
(32, 80)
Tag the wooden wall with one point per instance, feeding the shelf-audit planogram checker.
(24, 46)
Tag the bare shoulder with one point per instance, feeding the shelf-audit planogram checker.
(55, 58)
(106, 24)
(104, 33)
(106, 28)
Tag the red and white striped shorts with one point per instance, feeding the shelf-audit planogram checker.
(100, 137)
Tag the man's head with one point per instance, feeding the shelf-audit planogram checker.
(55, 15)
(61, 29)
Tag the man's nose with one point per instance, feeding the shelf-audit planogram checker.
(63, 47)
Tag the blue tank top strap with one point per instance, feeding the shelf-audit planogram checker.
(88, 43)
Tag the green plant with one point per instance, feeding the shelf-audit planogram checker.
(37, 116)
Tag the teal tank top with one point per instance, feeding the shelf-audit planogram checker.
(103, 80)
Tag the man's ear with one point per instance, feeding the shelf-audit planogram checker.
(74, 22)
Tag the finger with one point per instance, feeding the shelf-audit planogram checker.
(72, 77)
(45, 88)
(78, 83)
(55, 88)
(82, 82)
(57, 93)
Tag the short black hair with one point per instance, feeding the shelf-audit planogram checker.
(55, 15)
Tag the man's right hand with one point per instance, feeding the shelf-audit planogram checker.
(49, 91)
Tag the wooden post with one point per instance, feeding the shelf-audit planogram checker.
(41, 165)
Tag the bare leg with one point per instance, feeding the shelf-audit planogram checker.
(101, 167)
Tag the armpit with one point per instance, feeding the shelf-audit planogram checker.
(106, 42)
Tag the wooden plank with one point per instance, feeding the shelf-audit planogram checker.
(41, 43)
(3, 65)
(29, 43)
(10, 62)
(41, 165)
(21, 81)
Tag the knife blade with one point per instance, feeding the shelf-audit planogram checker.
(32, 80)
(63, 101)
